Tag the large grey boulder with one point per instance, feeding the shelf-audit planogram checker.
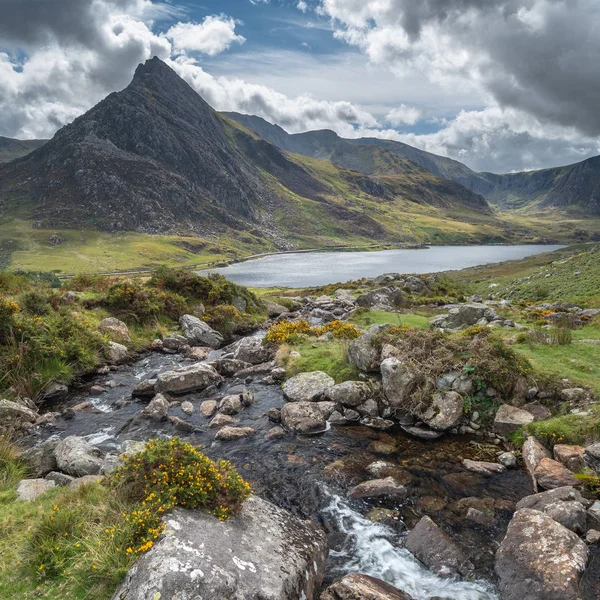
(429, 544)
(116, 330)
(364, 353)
(308, 387)
(362, 587)
(187, 379)
(510, 418)
(30, 489)
(350, 393)
(387, 298)
(539, 559)
(157, 409)
(263, 553)
(303, 417)
(40, 459)
(199, 333)
(544, 499)
(571, 515)
(16, 417)
(252, 350)
(399, 381)
(445, 411)
(116, 353)
(77, 457)
(533, 452)
(463, 316)
(591, 457)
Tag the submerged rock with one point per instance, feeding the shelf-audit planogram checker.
(363, 587)
(263, 552)
(229, 434)
(375, 488)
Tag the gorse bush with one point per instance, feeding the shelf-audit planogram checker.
(288, 332)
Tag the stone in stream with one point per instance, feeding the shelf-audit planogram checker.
(308, 387)
(422, 432)
(187, 407)
(303, 417)
(252, 350)
(145, 389)
(199, 333)
(550, 474)
(15, 416)
(229, 434)
(350, 393)
(376, 488)
(533, 452)
(228, 367)
(362, 587)
(275, 433)
(221, 420)
(208, 408)
(182, 425)
(77, 457)
(539, 559)
(174, 343)
(377, 423)
(30, 489)
(230, 405)
(383, 468)
(570, 456)
(485, 468)
(399, 381)
(117, 353)
(187, 379)
(262, 552)
(157, 409)
(508, 459)
(510, 418)
(430, 545)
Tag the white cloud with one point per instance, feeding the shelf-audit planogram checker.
(302, 6)
(404, 115)
(214, 35)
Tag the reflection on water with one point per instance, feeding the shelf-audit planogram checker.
(321, 268)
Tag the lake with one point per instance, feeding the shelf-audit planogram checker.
(298, 270)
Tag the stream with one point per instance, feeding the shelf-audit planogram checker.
(292, 473)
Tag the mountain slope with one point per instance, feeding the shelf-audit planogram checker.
(11, 149)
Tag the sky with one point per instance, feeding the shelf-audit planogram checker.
(501, 85)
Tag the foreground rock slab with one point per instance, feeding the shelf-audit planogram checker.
(363, 587)
(539, 559)
(264, 552)
(30, 489)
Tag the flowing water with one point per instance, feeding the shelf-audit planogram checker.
(292, 473)
(308, 269)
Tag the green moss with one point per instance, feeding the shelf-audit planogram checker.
(380, 317)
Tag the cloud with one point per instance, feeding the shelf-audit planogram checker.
(302, 6)
(403, 115)
(214, 35)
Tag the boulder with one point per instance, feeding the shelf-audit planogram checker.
(208, 408)
(157, 409)
(573, 395)
(199, 333)
(230, 405)
(253, 351)
(430, 545)
(376, 488)
(508, 459)
(197, 353)
(303, 417)
(187, 408)
(30, 489)
(187, 379)
(274, 309)
(60, 479)
(445, 411)
(40, 459)
(308, 387)
(228, 367)
(510, 418)
(533, 452)
(350, 393)
(174, 343)
(116, 353)
(262, 552)
(362, 587)
(181, 425)
(591, 457)
(145, 389)
(386, 298)
(77, 457)
(363, 353)
(16, 417)
(485, 468)
(539, 559)
(463, 316)
(571, 515)
(116, 330)
(570, 456)
(220, 420)
(562, 494)
(422, 433)
(229, 434)
(399, 381)
(550, 474)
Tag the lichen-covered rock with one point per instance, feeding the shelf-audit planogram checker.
(252, 350)
(228, 434)
(157, 409)
(228, 367)
(562, 494)
(16, 417)
(571, 515)
(230, 405)
(350, 393)
(591, 457)
(445, 411)
(510, 418)
(363, 353)
(77, 457)
(263, 552)
(399, 380)
(539, 559)
(550, 474)
(533, 452)
(429, 544)
(303, 417)
(569, 456)
(208, 408)
(187, 379)
(30, 489)
(362, 587)
(464, 315)
(387, 298)
(199, 333)
(40, 459)
(308, 387)
(116, 330)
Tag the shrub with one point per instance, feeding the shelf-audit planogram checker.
(339, 330)
(85, 282)
(288, 332)
(36, 301)
(12, 468)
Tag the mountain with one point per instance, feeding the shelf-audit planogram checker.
(11, 149)
(156, 158)
(574, 188)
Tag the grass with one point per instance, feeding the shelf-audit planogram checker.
(381, 317)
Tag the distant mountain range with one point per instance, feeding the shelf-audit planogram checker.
(156, 158)
(11, 149)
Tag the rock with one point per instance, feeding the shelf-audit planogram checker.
(350, 393)
(59, 479)
(253, 351)
(187, 379)
(351, 415)
(55, 391)
(382, 468)
(275, 433)
(30, 489)
(445, 411)
(539, 559)
(463, 316)
(220, 420)
(132, 447)
(362, 587)
(85, 480)
(510, 418)
(181, 425)
(573, 395)
(569, 456)
(571, 515)
(239, 304)
(262, 552)
(308, 387)
(594, 515)
(257, 370)
(174, 343)
(77, 457)
(230, 405)
(542, 500)
(591, 457)
(550, 474)
(278, 374)
(15, 416)
(157, 410)
(97, 390)
(592, 537)
(199, 333)
(485, 468)
(480, 517)
(463, 385)
(40, 459)
(375, 488)
(368, 408)
(387, 298)
(247, 397)
(363, 353)
(399, 381)
(229, 434)
(539, 411)
(197, 353)
(187, 407)
(377, 423)
(145, 389)
(274, 309)
(116, 330)
(508, 459)
(208, 408)
(533, 452)
(228, 367)
(422, 432)
(430, 545)
(444, 383)
(117, 353)
(303, 417)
